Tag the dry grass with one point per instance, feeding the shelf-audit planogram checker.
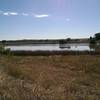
(50, 77)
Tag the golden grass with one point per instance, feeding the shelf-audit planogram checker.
(50, 77)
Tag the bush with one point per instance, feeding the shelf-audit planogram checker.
(92, 40)
(3, 42)
(62, 41)
(3, 50)
(97, 36)
(68, 39)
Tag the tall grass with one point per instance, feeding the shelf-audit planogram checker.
(4, 51)
(54, 77)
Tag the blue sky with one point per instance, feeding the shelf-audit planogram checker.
(46, 19)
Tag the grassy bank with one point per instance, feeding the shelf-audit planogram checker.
(48, 53)
(55, 77)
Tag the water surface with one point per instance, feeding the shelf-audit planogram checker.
(51, 47)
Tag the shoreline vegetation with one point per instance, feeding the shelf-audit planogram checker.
(45, 41)
(48, 53)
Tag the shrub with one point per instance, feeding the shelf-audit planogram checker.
(92, 40)
(97, 36)
(3, 50)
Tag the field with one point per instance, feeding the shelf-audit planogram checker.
(56, 77)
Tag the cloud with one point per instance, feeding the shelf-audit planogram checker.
(41, 16)
(13, 13)
(25, 14)
(67, 19)
(6, 14)
(10, 13)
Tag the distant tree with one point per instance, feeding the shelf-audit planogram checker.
(97, 36)
(68, 39)
(92, 40)
(3, 42)
(90, 37)
(62, 41)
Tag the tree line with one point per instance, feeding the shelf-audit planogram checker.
(95, 39)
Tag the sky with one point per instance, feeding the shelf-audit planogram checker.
(48, 19)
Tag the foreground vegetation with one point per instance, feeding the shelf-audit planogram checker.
(55, 77)
(4, 51)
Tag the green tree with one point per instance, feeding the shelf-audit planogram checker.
(90, 37)
(92, 40)
(62, 41)
(97, 36)
(68, 39)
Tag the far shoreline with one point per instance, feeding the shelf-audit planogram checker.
(45, 41)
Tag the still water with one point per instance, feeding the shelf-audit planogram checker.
(51, 47)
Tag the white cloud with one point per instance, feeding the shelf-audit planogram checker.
(13, 13)
(25, 14)
(6, 14)
(41, 16)
(10, 13)
(67, 19)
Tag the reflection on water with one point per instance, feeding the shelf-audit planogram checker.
(63, 46)
(76, 47)
(95, 47)
(52, 47)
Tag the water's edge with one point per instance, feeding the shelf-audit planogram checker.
(49, 53)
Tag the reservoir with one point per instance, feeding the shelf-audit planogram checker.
(52, 47)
